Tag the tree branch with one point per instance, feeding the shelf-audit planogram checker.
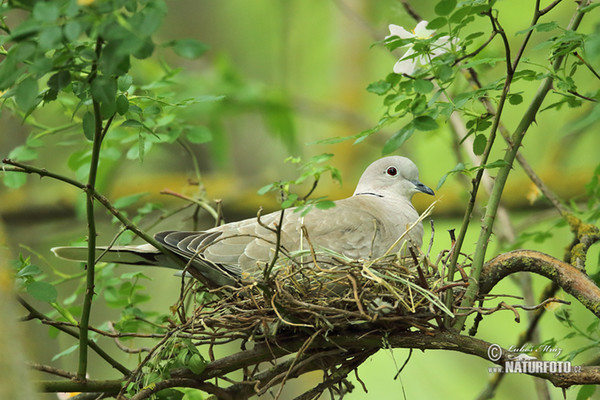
(569, 278)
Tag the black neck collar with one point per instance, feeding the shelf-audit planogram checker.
(369, 194)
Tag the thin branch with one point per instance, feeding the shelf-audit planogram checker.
(33, 313)
(86, 308)
(51, 370)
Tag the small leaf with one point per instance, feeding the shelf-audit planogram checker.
(546, 26)
(104, 90)
(325, 204)
(132, 123)
(423, 86)
(42, 291)
(89, 125)
(23, 153)
(458, 168)
(398, 139)
(26, 94)
(265, 189)
(495, 164)
(425, 123)
(196, 363)
(30, 270)
(585, 392)
(72, 30)
(479, 144)
(127, 201)
(60, 80)
(124, 82)
(198, 134)
(444, 7)
(515, 99)
(444, 73)
(379, 87)
(14, 180)
(122, 104)
(45, 11)
(437, 23)
(66, 352)
(189, 48)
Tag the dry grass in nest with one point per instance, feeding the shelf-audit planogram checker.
(330, 294)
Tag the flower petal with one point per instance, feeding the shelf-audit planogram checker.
(421, 30)
(406, 65)
(396, 30)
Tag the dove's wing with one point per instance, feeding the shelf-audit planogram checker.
(360, 227)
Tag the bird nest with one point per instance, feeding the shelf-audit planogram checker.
(327, 293)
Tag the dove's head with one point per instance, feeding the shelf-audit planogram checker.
(391, 176)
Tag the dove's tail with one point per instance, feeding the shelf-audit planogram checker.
(135, 255)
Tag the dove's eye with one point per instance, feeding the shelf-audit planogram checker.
(391, 171)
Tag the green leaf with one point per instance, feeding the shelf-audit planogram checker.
(23, 153)
(29, 270)
(445, 73)
(265, 189)
(542, 27)
(132, 123)
(122, 104)
(425, 123)
(104, 90)
(45, 11)
(14, 180)
(546, 26)
(422, 86)
(196, 363)
(290, 201)
(50, 37)
(42, 291)
(325, 204)
(515, 99)
(127, 201)
(66, 352)
(459, 15)
(458, 168)
(437, 23)
(59, 81)
(444, 7)
(379, 87)
(89, 125)
(586, 391)
(26, 94)
(72, 30)
(124, 82)
(198, 134)
(189, 48)
(479, 144)
(489, 61)
(398, 139)
(495, 164)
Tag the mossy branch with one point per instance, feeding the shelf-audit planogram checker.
(569, 278)
(500, 181)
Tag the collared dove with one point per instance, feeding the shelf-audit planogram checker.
(363, 226)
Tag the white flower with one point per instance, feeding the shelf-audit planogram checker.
(408, 63)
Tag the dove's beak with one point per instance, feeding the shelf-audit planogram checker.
(422, 188)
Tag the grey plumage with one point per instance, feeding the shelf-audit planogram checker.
(364, 226)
